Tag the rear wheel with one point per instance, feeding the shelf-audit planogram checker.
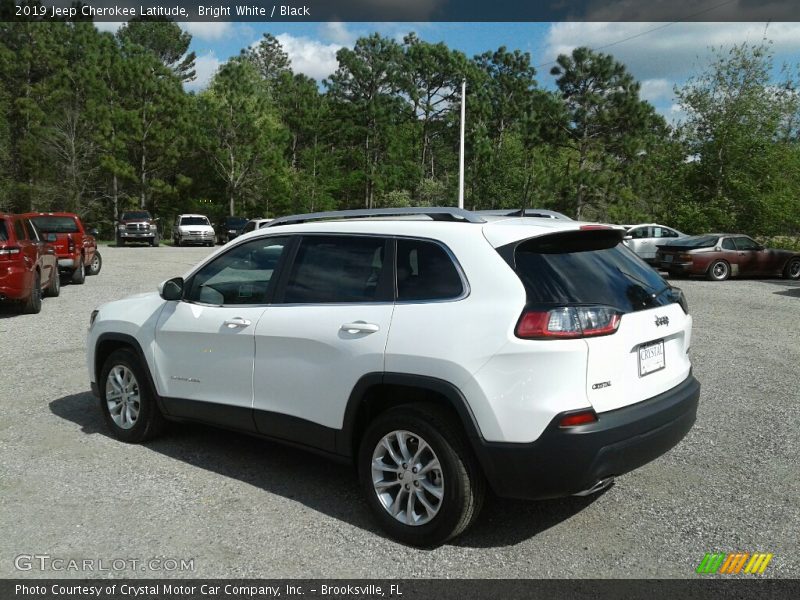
(419, 476)
(792, 270)
(33, 305)
(126, 400)
(719, 271)
(95, 265)
(79, 274)
(54, 289)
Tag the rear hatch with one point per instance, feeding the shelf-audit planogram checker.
(58, 231)
(587, 285)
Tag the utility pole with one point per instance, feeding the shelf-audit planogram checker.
(461, 150)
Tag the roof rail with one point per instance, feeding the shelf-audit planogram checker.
(437, 213)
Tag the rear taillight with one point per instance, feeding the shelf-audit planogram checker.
(684, 257)
(678, 294)
(70, 243)
(9, 253)
(579, 418)
(568, 322)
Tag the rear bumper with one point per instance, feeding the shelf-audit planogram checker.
(567, 461)
(66, 263)
(675, 267)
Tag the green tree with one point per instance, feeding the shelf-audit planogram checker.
(166, 40)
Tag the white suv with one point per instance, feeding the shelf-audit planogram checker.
(439, 351)
(193, 229)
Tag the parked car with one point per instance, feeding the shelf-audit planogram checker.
(254, 224)
(192, 229)
(28, 266)
(137, 226)
(439, 355)
(540, 213)
(76, 248)
(722, 255)
(230, 228)
(644, 238)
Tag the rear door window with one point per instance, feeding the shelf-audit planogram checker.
(338, 269)
(587, 267)
(19, 231)
(425, 271)
(3, 231)
(31, 229)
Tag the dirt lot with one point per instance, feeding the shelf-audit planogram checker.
(242, 507)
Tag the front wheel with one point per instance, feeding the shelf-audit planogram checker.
(95, 265)
(419, 476)
(792, 270)
(719, 271)
(126, 400)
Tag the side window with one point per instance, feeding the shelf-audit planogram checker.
(240, 276)
(336, 269)
(33, 234)
(727, 244)
(19, 230)
(640, 233)
(745, 243)
(671, 233)
(425, 271)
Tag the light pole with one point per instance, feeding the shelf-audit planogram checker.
(461, 149)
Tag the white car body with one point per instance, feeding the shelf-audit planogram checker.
(644, 238)
(295, 368)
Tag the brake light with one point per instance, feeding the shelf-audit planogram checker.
(70, 243)
(685, 257)
(578, 418)
(568, 322)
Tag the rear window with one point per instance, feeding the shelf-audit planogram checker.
(587, 267)
(194, 221)
(3, 231)
(56, 224)
(700, 241)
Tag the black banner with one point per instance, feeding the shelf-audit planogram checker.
(403, 10)
(439, 589)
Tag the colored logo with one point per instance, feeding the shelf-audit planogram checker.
(735, 563)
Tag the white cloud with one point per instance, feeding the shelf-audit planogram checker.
(337, 32)
(310, 57)
(108, 26)
(656, 90)
(665, 50)
(209, 31)
(205, 66)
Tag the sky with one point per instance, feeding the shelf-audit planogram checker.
(659, 55)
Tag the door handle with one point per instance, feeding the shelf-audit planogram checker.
(360, 327)
(236, 322)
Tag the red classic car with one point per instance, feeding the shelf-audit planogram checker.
(75, 247)
(722, 255)
(28, 268)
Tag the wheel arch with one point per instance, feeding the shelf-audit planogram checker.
(109, 342)
(375, 393)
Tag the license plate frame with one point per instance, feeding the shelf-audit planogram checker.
(651, 362)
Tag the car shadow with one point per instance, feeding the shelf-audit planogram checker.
(313, 481)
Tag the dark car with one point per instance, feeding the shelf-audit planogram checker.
(28, 265)
(722, 255)
(229, 228)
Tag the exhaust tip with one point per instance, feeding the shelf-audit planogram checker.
(601, 485)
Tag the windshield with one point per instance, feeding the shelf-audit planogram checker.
(56, 224)
(136, 214)
(577, 269)
(194, 221)
(698, 241)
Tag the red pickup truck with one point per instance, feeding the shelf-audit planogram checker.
(75, 247)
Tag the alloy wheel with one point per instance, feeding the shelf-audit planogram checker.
(122, 396)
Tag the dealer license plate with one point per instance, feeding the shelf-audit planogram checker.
(651, 357)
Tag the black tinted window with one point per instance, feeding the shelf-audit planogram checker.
(3, 232)
(194, 221)
(745, 243)
(727, 244)
(240, 276)
(32, 233)
(135, 214)
(336, 269)
(19, 230)
(588, 271)
(425, 272)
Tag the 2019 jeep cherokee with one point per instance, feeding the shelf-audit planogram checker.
(537, 357)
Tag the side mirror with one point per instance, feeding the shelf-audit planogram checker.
(171, 289)
(93, 231)
(628, 237)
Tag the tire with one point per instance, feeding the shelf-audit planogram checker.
(154, 241)
(792, 270)
(120, 242)
(54, 289)
(719, 270)
(33, 305)
(430, 433)
(96, 264)
(126, 399)
(79, 274)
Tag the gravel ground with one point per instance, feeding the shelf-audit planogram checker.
(242, 507)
